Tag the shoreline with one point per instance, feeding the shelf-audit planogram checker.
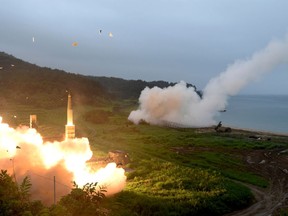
(242, 130)
(260, 131)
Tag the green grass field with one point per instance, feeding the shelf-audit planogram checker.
(175, 171)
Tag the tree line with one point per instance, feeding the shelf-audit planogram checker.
(28, 84)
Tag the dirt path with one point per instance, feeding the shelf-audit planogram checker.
(270, 164)
(266, 203)
(260, 208)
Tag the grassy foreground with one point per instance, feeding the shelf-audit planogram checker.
(172, 171)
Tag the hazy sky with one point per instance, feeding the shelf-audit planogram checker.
(172, 40)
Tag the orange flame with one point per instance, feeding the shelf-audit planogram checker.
(66, 160)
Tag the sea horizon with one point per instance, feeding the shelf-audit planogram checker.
(257, 112)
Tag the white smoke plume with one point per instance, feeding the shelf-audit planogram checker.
(23, 153)
(182, 106)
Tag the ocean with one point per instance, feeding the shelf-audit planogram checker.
(257, 112)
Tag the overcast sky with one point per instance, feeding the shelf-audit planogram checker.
(171, 40)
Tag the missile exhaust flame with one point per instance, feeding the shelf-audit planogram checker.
(23, 152)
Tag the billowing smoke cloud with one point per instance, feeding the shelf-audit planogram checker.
(23, 153)
(182, 106)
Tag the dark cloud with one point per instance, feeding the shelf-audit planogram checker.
(170, 40)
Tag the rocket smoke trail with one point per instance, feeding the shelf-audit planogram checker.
(182, 105)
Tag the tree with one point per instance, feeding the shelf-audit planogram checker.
(84, 201)
(14, 200)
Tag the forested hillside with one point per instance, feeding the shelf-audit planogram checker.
(25, 83)
(124, 89)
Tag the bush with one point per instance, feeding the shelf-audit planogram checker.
(83, 201)
(14, 199)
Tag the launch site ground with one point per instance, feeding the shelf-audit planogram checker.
(177, 171)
